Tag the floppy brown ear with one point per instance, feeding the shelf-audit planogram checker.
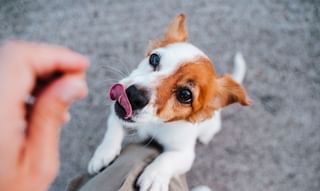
(229, 92)
(176, 32)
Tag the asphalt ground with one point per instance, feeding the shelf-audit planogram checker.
(274, 145)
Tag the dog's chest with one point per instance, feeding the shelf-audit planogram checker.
(173, 135)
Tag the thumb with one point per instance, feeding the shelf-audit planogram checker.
(47, 116)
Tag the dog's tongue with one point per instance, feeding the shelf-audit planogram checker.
(118, 93)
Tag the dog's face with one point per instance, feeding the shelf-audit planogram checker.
(176, 81)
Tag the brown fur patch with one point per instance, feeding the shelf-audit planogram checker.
(209, 93)
(229, 92)
(197, 75)
(176, 32)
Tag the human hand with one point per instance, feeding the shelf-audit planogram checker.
(29, 138)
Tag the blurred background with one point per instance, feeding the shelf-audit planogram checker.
(274, 145)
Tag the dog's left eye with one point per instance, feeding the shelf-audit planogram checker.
(184, 95)
(154, 61)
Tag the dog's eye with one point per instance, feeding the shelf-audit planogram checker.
(154, 61)
(184, 95)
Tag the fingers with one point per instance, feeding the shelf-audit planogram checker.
(49, 112)
(44, 59)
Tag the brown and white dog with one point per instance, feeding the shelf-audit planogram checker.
(174, 96)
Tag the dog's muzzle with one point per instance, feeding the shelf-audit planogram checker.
(128, 101)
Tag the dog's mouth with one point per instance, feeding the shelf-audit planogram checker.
(122, 113)
(117, 93)
(122, 106)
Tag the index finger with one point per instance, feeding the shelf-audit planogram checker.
(45, 59)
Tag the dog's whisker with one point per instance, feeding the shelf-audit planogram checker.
(109, 80)
(118, 60)
(149, 142)
(125, 66)
(123, 74)
(113, 72)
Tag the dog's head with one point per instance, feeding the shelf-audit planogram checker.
(175, 81)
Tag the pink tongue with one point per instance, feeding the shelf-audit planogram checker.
(118, 93)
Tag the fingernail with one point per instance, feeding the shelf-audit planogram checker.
(73, 89)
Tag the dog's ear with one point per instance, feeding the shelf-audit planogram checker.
(228, 91)
(176, 32)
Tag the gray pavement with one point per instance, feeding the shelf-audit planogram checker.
(274, 145)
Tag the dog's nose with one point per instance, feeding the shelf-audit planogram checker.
(138, 97)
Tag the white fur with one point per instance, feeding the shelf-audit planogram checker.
(201, 188)
(177, 138)
(239, 68)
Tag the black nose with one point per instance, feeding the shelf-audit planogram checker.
(138, 97)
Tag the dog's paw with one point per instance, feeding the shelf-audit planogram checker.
(153, 179)
(101, 158)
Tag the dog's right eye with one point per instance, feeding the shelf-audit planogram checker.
(154, 61)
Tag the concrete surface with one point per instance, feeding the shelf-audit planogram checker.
(272, 146)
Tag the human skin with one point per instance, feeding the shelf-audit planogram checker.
(29, 147)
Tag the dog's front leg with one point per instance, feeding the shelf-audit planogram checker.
(110, 146)
(170, 163)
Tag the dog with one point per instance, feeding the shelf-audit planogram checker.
(174, 96)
